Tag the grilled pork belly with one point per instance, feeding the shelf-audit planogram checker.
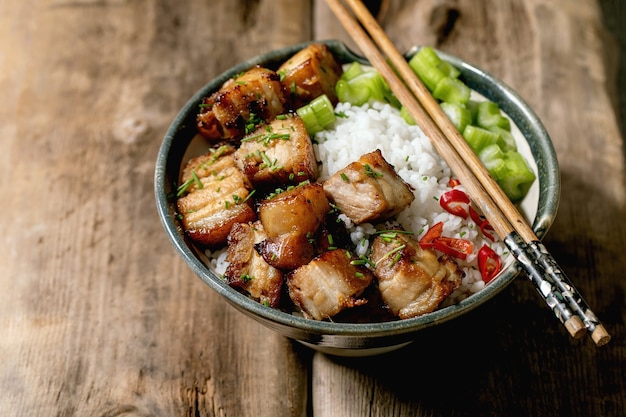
(300, 209)
(328, 284)
(369, 189)
(411, 280)
(278, 153)
(309, 73)
(248, 99)
(247, 270)
(215, 197)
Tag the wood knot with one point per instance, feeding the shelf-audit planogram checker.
(442, 21)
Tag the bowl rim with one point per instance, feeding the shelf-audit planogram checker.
(494, 89)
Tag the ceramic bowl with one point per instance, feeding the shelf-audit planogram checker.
(351, 339)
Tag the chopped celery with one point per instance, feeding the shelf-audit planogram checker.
(485, 128)
(488, 114)
(508, 141)
(318, 114)
(452, 90)
(348, 94)
(509, 170)
(352, 71)
(478, 138)
(518, 178)
(425, 63)
(458, 114)
(324, 110)
(406, 115)
(428, 56)
(362, 87)
(472, 106)
(492, 157)
(449, 69)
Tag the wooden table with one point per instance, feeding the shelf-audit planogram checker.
(100, 317)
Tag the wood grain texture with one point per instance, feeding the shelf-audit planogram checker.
(511, 357)
(100, 317)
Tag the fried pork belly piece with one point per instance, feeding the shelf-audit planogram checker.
(291, 220)
(215, 197)
(328, 284)
(369, 189)
(300, 209)
(309, 73)
(287, 251)
(278, 153)
(411, 280)
(256, 95)
(247, 270)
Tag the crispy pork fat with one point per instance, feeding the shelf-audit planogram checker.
(369, 189)
(328, 284)
(215, 197)
(411, 280)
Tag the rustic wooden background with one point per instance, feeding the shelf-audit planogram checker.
(100, 317)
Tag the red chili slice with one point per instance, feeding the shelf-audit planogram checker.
(426, 242)
(489, 263)
(458, 248)
(482, 223)
(455, 202)
(454, 182)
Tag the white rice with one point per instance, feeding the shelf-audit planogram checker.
(377, 125)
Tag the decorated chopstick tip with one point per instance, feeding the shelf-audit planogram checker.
(600, 336)
(575, 327)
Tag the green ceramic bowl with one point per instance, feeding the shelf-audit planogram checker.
(539, 207)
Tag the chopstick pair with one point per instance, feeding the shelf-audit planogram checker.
(540, 267)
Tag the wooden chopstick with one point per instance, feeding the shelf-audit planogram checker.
(541, 268)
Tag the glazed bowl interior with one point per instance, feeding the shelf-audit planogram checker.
(539, 207)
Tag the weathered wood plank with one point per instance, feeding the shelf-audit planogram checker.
(99, 316)
(511, 357)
